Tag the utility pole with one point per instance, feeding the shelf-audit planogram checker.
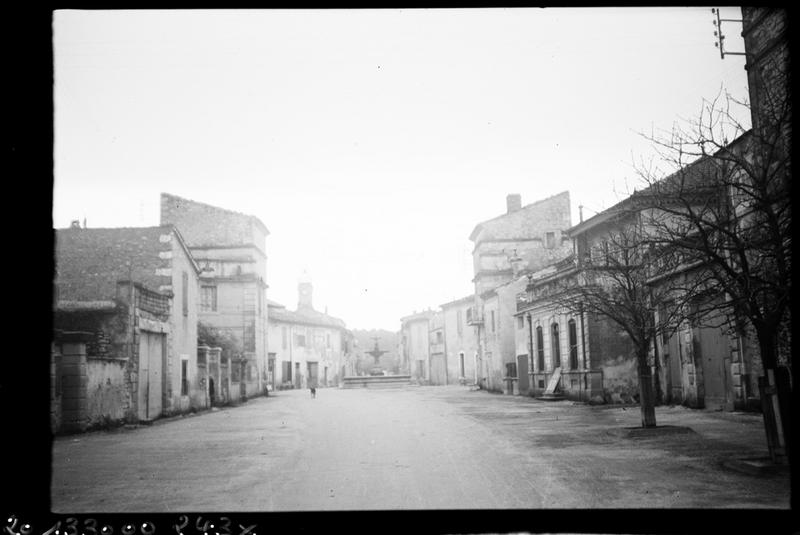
(720, 43)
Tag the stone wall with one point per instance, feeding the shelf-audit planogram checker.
(73, 376)
(614, 354)
(108, 397)
(55, 387)
(109, 384)
(765, 32)
(523, 232)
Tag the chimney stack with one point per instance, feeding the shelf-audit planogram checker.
(513, 202)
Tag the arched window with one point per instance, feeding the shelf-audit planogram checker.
(540, 349)
(556, 347)
(573, 345)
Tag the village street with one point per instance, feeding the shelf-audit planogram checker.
(413, 448)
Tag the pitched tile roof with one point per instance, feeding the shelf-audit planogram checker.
(89, 262)
(304, 316)
(693, 176)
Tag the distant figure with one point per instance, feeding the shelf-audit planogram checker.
(313, 392)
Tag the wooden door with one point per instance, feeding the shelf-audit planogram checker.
(674, 367)
(522, 374)
(437, 370)
(151, 362)
(713, 347)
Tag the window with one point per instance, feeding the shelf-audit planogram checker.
(556, 347)
(511, 369)
(438, 337)
(550, 240)
(573, 345)
(208, 298)
(284, 337)
(520, 322)
(540, 348)
(185, 293)
(184, 377)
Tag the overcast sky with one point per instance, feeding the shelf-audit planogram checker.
(370, 142)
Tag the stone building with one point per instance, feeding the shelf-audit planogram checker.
(415, 345)
(459, 341)
(699, 363)
(766, 42)
(768, 63)
(125, 321)
(572, 353)
(307, 347)
(230, 248)
(524, 239)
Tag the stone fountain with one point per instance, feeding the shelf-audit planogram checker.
(377, 378)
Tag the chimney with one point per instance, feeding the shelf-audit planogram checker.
(513, 202)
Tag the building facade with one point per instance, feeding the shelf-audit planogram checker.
(415, 345)
(437, 349)
(578, 355)
(523, 240)
(459, 340)
(125, 320)
(307, 347)
(230, 247)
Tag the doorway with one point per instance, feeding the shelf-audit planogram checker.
(522, 374)
(312, 369)
(713, 347)
(151, 362)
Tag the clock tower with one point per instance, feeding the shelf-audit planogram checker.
(304, 292)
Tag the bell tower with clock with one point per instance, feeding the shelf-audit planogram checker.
(304, 292)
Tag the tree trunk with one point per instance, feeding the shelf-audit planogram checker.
(775, 392)
(646, 398)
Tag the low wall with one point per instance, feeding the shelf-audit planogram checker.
(107, 394)
(377, 381)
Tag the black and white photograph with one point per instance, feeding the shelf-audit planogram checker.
(424, 259)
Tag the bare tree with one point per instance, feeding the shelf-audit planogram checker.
(617, 266)
(726, 209)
